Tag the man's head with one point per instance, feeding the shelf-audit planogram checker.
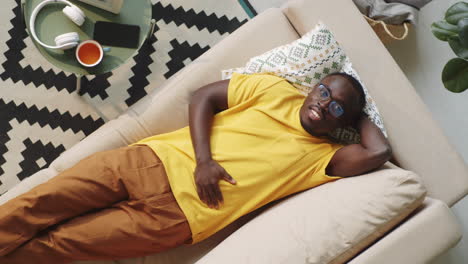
(335, 102)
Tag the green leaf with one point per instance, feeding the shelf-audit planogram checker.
(443, 30)
(463, 33)
(458, 48)
(456, 12)
(455, 75)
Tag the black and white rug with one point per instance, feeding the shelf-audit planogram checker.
(41, 112)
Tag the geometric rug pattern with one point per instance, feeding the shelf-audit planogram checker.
(41, 111)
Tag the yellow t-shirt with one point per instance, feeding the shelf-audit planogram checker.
(260, 142)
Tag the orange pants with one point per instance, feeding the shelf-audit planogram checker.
(113, 204)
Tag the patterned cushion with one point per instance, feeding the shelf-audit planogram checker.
(304, 63)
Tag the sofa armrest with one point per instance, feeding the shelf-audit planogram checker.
(428, 232)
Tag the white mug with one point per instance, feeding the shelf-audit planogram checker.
(90, 53)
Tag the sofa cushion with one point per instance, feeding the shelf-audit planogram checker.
(327, 224)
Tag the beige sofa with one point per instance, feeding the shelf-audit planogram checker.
(418, 143)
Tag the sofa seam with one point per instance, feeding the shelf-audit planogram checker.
(289, 21)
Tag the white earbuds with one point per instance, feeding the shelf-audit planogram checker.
(63, 41)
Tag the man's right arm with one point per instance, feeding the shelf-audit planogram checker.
(204, 104)
(356, 159)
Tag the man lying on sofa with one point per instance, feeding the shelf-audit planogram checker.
(250, 140)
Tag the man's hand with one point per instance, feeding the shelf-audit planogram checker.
(207, 176)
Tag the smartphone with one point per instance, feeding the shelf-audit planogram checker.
(115, 34)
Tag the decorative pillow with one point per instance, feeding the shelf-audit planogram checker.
(304, 63)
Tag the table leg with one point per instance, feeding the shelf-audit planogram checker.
(22, 10)
(151, 31)
(78, 82)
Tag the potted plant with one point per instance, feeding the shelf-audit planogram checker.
(454, 30)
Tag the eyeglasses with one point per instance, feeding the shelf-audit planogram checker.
(334, 107)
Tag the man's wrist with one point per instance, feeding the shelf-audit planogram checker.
(203, 160)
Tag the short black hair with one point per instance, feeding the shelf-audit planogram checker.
(357, 86)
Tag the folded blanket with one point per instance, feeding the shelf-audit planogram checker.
(414, 3)
(390, 13)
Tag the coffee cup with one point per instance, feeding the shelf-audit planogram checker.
(90, 53)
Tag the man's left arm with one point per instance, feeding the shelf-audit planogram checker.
(356, 159)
